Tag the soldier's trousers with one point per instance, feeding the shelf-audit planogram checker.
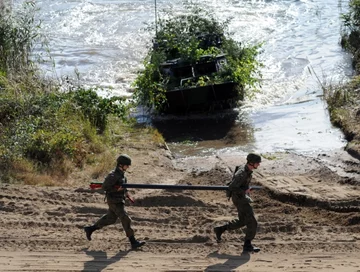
(246, 218)
(116, 210)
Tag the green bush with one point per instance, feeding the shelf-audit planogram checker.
(45, 126)
(352, 18)
(18, 35)
(97, 109)
(350, 39)
(42, 126)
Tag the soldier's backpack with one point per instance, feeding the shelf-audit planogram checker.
(228, 192)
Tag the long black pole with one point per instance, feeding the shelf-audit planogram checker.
(174, 187)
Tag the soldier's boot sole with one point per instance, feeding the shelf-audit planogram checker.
(137, 245)
(251, 249)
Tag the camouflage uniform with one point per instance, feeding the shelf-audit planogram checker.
(237, 191)
(238, 186)
(116, 201)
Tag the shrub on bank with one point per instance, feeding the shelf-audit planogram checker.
(344, 101)
(43, 128)
(48, 128)
(343, 105)
(350, 39)
(18, 36)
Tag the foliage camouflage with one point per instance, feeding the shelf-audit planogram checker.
(188, 37)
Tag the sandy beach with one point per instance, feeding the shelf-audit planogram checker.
(308, 215)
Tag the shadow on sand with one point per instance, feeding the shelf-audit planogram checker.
(232, 261)
(101, 260)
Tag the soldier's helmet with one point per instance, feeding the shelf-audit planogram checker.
(253, 158)
(123, 159)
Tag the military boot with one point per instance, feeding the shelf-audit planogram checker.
(248, 247)
(135, 243)
(219, 231)
(89, 230)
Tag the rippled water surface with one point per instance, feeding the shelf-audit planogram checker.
(106, 41)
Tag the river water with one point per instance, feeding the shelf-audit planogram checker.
(104, 43)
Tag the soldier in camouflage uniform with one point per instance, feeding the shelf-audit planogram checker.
(240, 189)
(115, 196)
